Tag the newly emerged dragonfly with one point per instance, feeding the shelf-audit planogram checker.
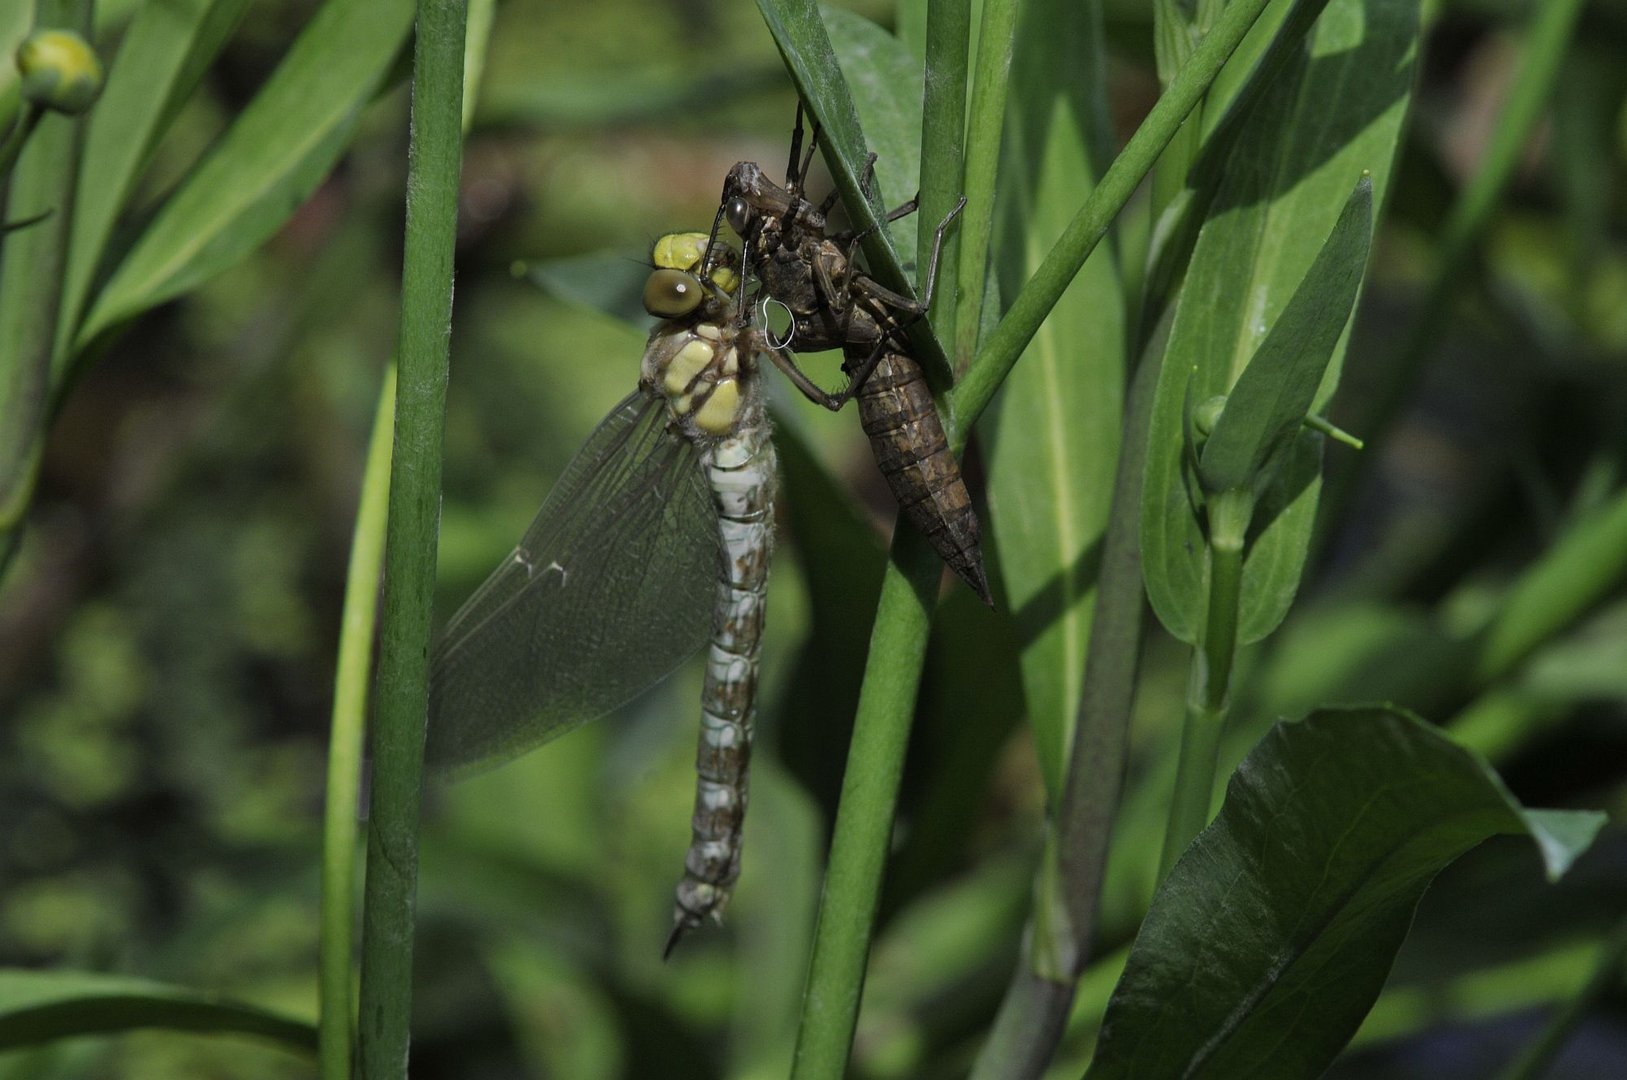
(654, 541)
(833, 304)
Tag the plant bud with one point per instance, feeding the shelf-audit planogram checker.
(59, 71)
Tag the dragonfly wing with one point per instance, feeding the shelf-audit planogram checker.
(609, 590)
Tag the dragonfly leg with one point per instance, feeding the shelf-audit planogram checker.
(937, 247)
(796, 175)
(785, 360)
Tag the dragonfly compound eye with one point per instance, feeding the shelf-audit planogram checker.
(669, 294)
(738, 214)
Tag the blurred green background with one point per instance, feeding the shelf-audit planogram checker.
(167, 630)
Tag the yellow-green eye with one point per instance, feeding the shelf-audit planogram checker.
(679, 251)
(671, 293)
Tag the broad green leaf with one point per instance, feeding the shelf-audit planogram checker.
(1053, 430)
(1273, 934)
(1333, 113)
(38, 1006)
(163, 54)
(265, 165)
(804, 44)
(1272, 397)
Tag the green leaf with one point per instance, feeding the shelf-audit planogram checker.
(269, 160)
(1271, 399)
(38, 1006)
(1272, 936)
(1335, 112)
(806, 47)
(887, 83)
(163, 54)
(608, 281)
(1053, 431)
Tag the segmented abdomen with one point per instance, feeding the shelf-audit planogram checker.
(897, 412)
(740, 469)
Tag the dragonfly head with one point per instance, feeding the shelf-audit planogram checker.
(675, 288)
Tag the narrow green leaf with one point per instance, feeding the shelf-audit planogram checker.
(1053, 431)
(1333, 113)
(32, 263)
(39, 1006)
(163, 55)
(271, 158)
(1272, 397)
(347, 734)
(1271, 938)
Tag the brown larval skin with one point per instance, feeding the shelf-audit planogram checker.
(895, 405)
(896, 409)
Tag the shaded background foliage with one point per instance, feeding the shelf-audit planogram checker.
(168, 626)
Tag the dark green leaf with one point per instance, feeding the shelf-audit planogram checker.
(1271, 399)
(1273, 934)
(37, 1006)
(266, 164)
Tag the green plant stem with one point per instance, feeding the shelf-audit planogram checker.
(985, 126)
(12, 145)
(1067, 893)
(433, 163)
(32, 263)
(1554, 21)
(943, 146)
(345, 739)
(1002, 348)
(864, 817)
(1533, 1063)
(1208, 688)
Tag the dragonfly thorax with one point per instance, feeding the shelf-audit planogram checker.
(697, 369)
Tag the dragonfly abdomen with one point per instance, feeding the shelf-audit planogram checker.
(740, 469)
(897, 413)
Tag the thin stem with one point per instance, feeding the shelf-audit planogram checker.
(1209, 686)
(1067, 894)
(1090, 224)
(943, 145)
(345, 738)
(864, 817)
(985, 125)
(32, 263)
(433, 163)
(12, 145)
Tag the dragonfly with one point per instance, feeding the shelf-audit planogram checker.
(654, 542)
(833, 304)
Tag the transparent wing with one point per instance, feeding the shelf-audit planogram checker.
(610, 588)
